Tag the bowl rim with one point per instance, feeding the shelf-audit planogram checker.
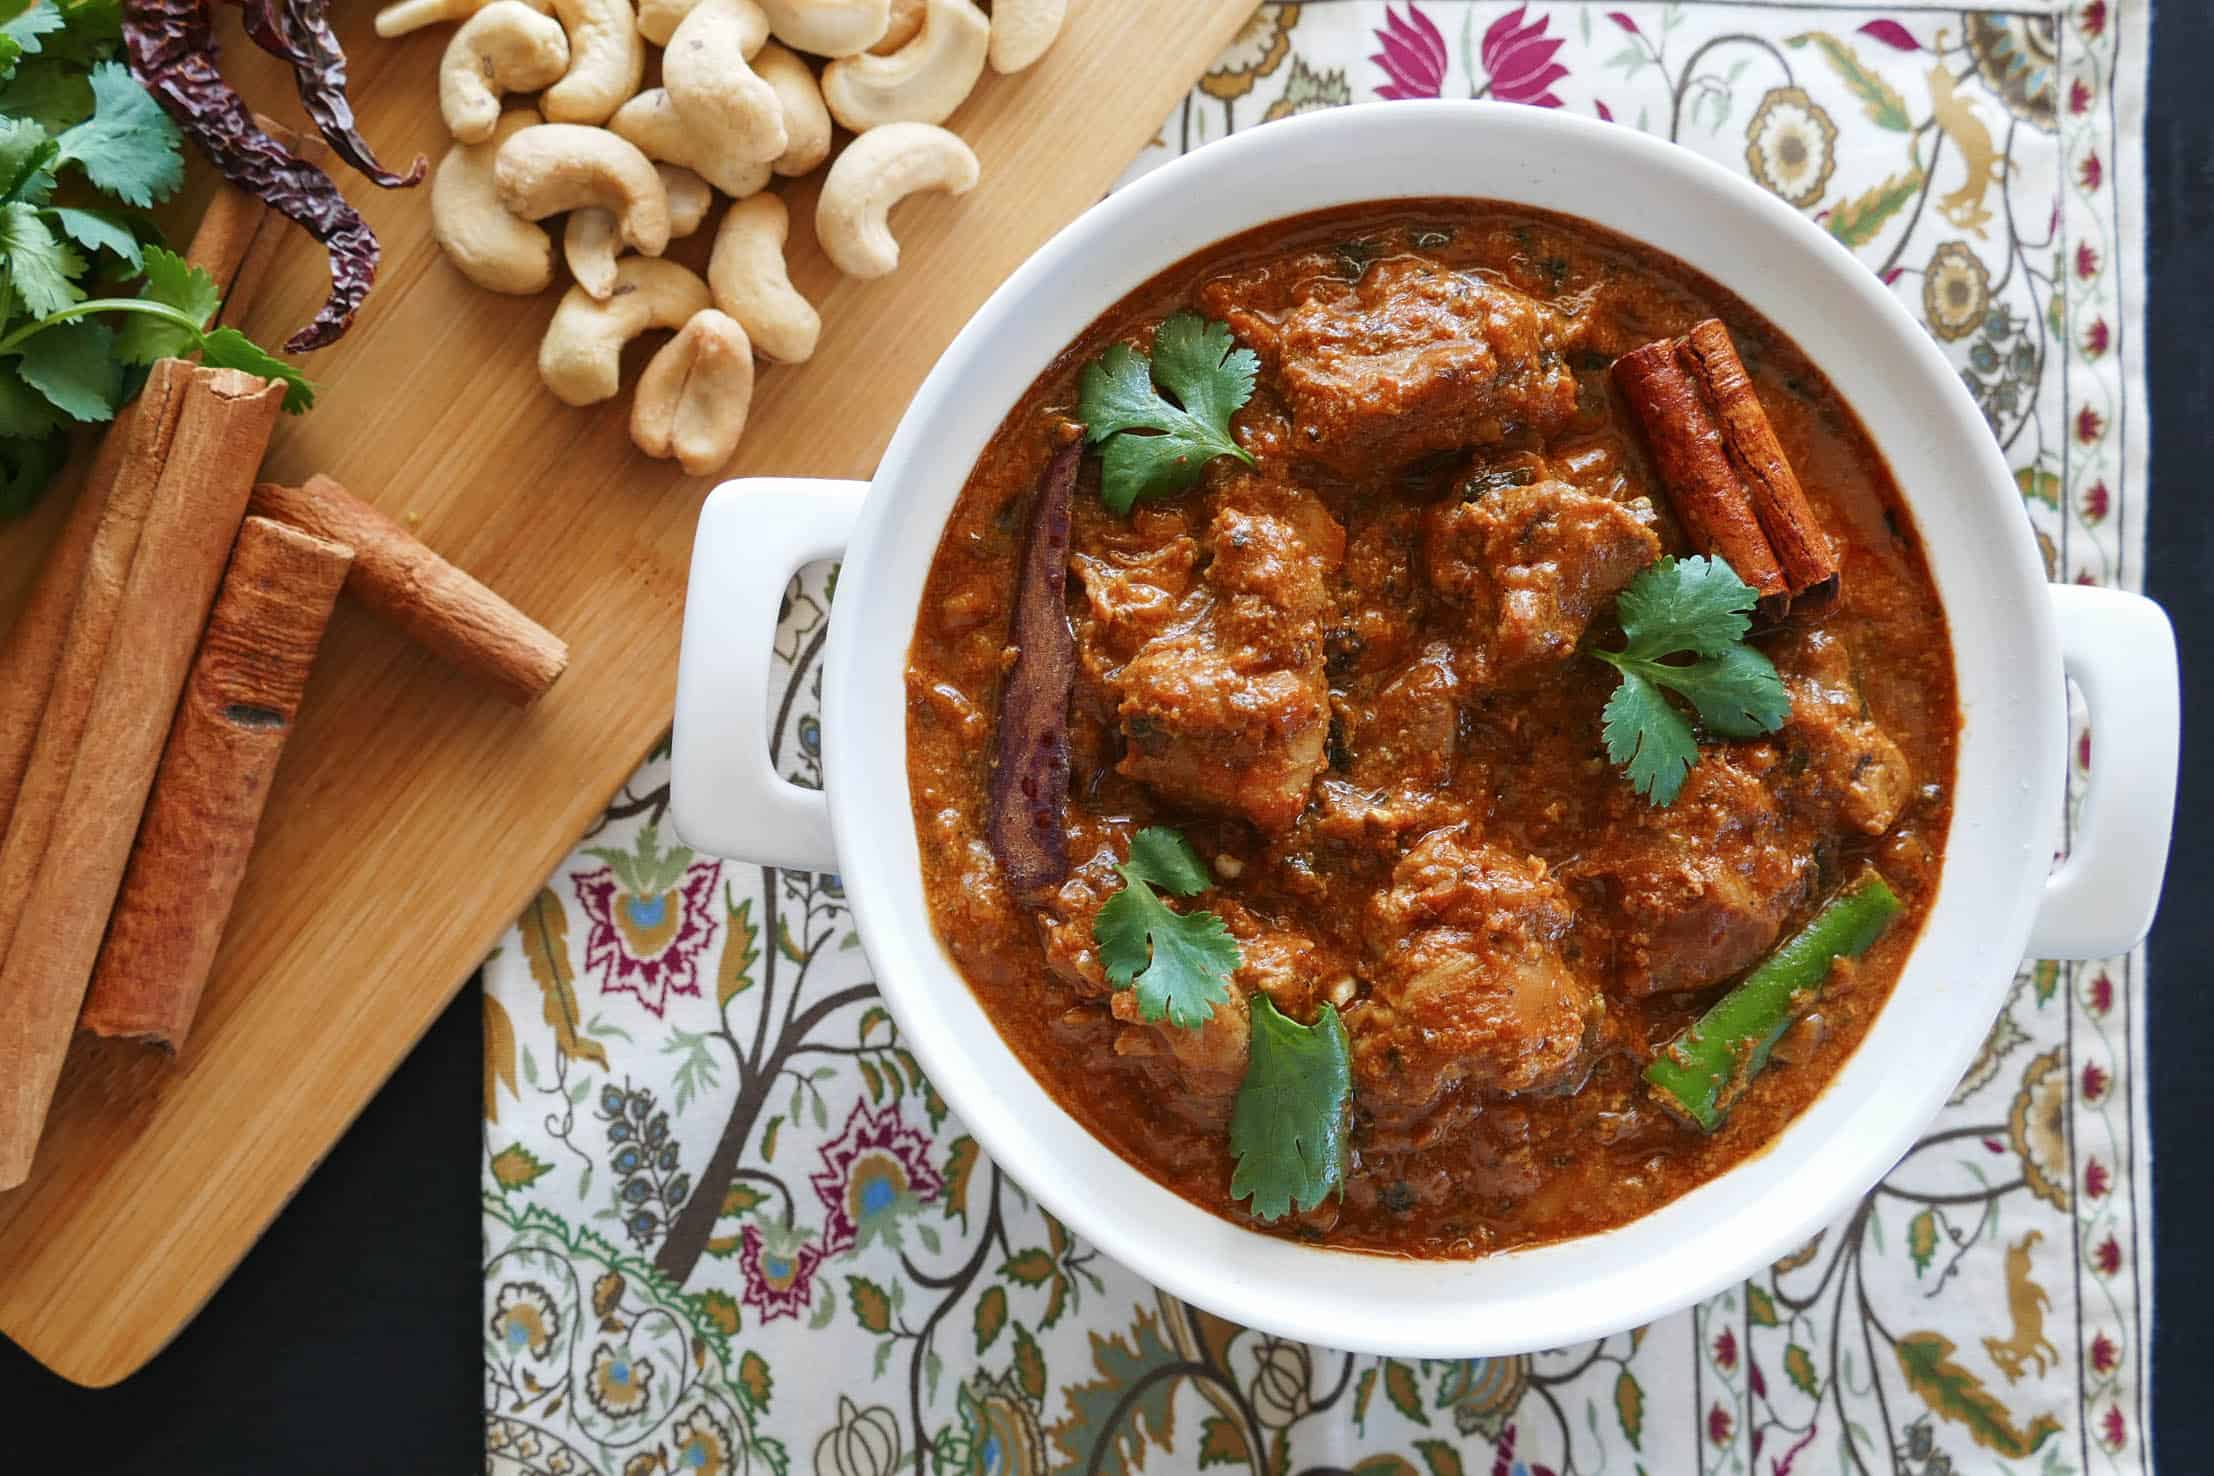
(1242, 1275)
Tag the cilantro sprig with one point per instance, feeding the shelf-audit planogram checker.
(83, 151)
(1289, 1124)
(1178, 963)
(1695, 607)
(1155, 446)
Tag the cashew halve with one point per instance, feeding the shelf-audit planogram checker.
(414, 15)
(657, 19)
(875, 172)
(581, 356)
(489, 246)
(829, 27)
(806, 118)
(650, 122)
(606, 61)
(505, 47)
(748, 280)
(922, 82)
(693, 398)
(704, 71)
(1023, 29)
(591, 243)
(554, 167)
(907, 23)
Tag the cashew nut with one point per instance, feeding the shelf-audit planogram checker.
(907, 21)
(705, 74)
(581, 356)
(505, 47)
(1022, 30)
(650, 122)
(829, 27)
(657, 19)
(806, 119)
(606, 61)
(875, 172)
(590, 243)
(922, 82)
(414, 15)
(693, 398)
(554, 167)
(484, 242)
(748, 279)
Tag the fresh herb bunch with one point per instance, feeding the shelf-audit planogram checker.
(1676, 608)
(1179, 964)
(83, 152)
(1288, 1126)
(1154, 446)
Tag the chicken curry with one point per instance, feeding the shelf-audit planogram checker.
(1430, 730)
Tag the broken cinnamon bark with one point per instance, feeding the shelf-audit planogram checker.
(1030, 767)
(1726, 474)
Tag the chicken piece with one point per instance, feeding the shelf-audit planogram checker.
(1467, 982)
(1415, 358)
(1701, 888)
(1533, 564)
(1406, 734)
(1842, 763)
(1231, 711)
(1065, 921)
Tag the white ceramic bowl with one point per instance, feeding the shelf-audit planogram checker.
(1999, 896)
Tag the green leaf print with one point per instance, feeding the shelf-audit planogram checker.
(1799, 1368)
(1955, 1394)
(513, 1167)
(1878, 98)
(1857, 221)
(991, 1316)
(1629, 1408)
(871, 1307)
(1403, 1391)
(1922, 1240)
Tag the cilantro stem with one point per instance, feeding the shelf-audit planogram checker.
(10, 342)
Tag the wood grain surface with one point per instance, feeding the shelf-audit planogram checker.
(416, 813)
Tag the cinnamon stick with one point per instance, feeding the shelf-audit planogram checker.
(437, 605)
(58, 878)
(1727, 477)
(52, 655)
(238, 707)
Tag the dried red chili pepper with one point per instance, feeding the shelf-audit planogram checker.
(322, 82)
(265, 28)
(171, 46)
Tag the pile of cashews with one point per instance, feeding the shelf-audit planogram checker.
(634, 168)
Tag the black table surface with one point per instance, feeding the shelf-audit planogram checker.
(347, 1341)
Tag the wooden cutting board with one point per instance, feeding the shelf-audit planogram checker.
(415, 813)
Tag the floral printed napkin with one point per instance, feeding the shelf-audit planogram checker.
(730, 1226)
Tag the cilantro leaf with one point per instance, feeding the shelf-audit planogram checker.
(42, 19)
(1650, 738)
(1155, 446)
(227, 348)
(50, 96)
(24, 412)
(98, 231)
(1179, 964)
(39, 265)
(1695, 607)
(1696, 604)
(1288, 1126)
(173, 281)
(26, 161)
(128, 147)
(74, 366)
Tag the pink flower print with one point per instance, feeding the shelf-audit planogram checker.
(2097, 337)
(2087, 261)
(1412, 55)
(1891, 34)
(2106, 1256)
(780, 1278)
(2096, 504)
(2090, 172)
(2083, 744)
(2113, 1433)
(2105, 1357)
(1622, 19)
(649, 942)
(1719, 1425)
(2095, 1081)
(2079, 97)
(1725, 1349)
(2090, 425)
(2102, 989)
(876, 1171)
(2094, 18)
(1518, 58)
(2096, 1180)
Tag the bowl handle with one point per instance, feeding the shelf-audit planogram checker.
(724, 794)
(2120, 650)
